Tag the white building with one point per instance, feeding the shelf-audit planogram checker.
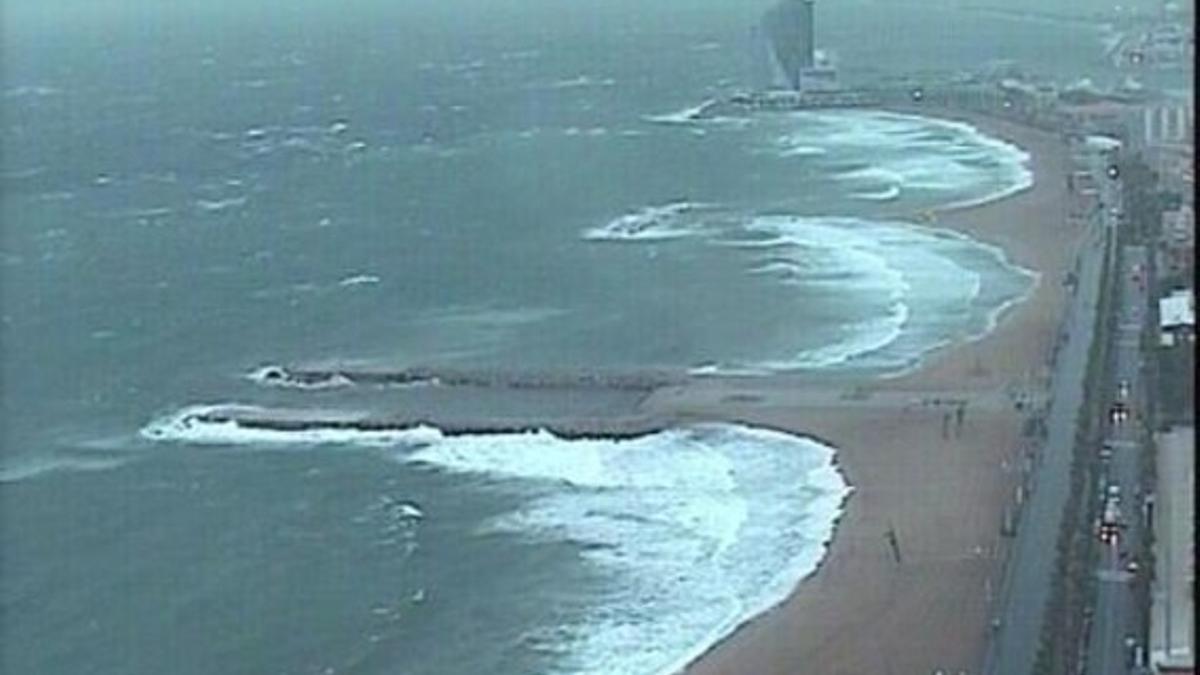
(1177, 317)
(1165, 124)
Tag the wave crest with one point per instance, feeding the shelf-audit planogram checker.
(694, 521)
(653, 223)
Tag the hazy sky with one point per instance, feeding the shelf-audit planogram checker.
(58, 19)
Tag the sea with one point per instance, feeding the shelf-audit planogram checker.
(191, 193)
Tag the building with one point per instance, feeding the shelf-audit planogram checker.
(1177, 250)
(1179, 229)
(1167, 44)
(1105, 117)
(789, 29)
(1172, 615)
(1174, 164)
(1165, 123)
(1177, 317)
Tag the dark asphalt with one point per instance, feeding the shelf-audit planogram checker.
(1115, 618)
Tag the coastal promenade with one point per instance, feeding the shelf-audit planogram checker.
(1030, 568)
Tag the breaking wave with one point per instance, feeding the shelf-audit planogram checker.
(923, 286)
(902, 153)
(653, 223)
(684, 116)
(693, 526)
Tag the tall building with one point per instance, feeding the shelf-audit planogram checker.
(767, 74)
(789, 28)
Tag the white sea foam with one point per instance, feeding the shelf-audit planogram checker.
(874, 174)
(190, 426)
(278, 376)
(12, 471)
(31, 91)
(217, 205)
(653, 223)
(359, 280)
(803, 151)
(706, 527)
(853, 262)
(719, 370)
(912, 152)
(921, 287)
(781, 268)
(685, 116)
(1022, 181)
(890, 193)
(890, 180)
(55, 196)
(578, 82)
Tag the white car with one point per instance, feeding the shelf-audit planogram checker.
(1119, 412)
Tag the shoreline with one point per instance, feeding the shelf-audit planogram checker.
(905, 478)
(878, 424)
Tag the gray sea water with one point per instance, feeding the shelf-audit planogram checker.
(190, 195)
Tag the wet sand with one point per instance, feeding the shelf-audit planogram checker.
(924, 603)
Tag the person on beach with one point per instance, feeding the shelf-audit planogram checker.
(894, 542)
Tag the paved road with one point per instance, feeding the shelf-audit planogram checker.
(1030, 568)
(1115, 621)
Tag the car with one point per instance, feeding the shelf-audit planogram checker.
(1132, 567)
(1118, 412)
(1123, 390)
(1105, 453)
(1114, 491)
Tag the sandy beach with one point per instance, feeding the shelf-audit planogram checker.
(911, 576)
(924, 602)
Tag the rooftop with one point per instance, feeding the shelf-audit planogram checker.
(1177, 310)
